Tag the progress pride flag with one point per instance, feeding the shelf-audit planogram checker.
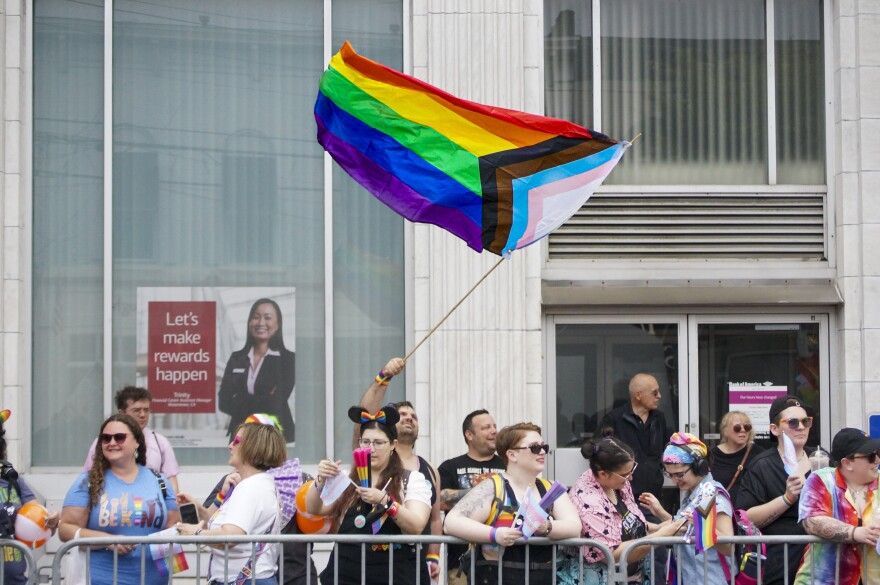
(181, 356)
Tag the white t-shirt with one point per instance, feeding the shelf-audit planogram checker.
(253, 507)
(418, 488)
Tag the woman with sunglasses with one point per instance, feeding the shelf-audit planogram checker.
(523, 453)
(250, 508)
(119, 496)
(732, 456)
(770, 495)
(685, 463)
(609, 513)
(839, 504)
(398, 501)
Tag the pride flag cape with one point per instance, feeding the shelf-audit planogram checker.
(496, 178)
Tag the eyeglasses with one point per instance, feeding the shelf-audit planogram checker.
(377, 443)
(676, 476)
(118, 437)
(536, 449)
(628, 476)
(235, 440)
(793, 423)
(737, 428)
(871, 457)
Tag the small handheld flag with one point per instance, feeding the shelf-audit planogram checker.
(705, 530)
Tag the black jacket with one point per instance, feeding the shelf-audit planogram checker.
(272, 389)
(646, 439)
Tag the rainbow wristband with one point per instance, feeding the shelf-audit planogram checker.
(492, 535)
(219, 499)
(787, 501)
(381, 379)
(432, 558)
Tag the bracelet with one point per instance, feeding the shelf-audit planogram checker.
(787, 501)
(492, 536)
(852, 533)
(549, 528)
(393, 509)
(432, 558)
(218, 499)
(383, 378)
(198, 531)
(320, 488)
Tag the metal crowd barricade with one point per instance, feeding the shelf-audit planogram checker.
(786, 541)
(421, 542)
(10, 547)
(616, 571)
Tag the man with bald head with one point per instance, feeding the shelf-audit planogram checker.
(641, 426)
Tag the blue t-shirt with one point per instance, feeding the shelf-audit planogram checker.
(704, 567)
(126, 509)
(15, 568)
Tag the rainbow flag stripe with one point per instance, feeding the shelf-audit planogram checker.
(705, 530)
(498, 179)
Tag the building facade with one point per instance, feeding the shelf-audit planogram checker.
(149, 146)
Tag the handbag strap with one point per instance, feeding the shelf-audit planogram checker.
(740, 467)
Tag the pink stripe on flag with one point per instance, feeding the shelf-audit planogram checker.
(539, 194)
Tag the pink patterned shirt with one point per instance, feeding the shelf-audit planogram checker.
(599, 518)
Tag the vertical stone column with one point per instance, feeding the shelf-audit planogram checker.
(12, 262)
(488, 354)
(856, 180)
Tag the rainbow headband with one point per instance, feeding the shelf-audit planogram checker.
(264, 419)
(684, 448)
(5, 414)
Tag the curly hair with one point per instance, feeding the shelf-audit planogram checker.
(394, 470)
(100, 465)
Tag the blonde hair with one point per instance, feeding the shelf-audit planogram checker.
(727, 422)
(508, 437)
(262, 446)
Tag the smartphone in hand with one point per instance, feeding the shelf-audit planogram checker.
(189, 514)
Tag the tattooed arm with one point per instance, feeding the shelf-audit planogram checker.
(829, 528)
(466, 519)
(449, 498)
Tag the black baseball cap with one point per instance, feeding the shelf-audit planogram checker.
(782, 403)
(852, 441)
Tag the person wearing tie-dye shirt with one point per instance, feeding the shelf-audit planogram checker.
(837, 505)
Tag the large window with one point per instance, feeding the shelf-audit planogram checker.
(692, 76)
(218, 181)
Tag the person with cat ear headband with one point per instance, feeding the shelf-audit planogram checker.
(392, 500)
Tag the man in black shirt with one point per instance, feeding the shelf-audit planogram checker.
(770, 495)
(459, 474)
(643, 428)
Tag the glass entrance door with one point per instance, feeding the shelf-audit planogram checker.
(705, 365)
(594, 361)
(743, 363)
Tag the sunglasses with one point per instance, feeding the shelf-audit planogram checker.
(536, 449)
(118, 437)
(738, 428)
(871, 457)
(794, 423)
(235, 440)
